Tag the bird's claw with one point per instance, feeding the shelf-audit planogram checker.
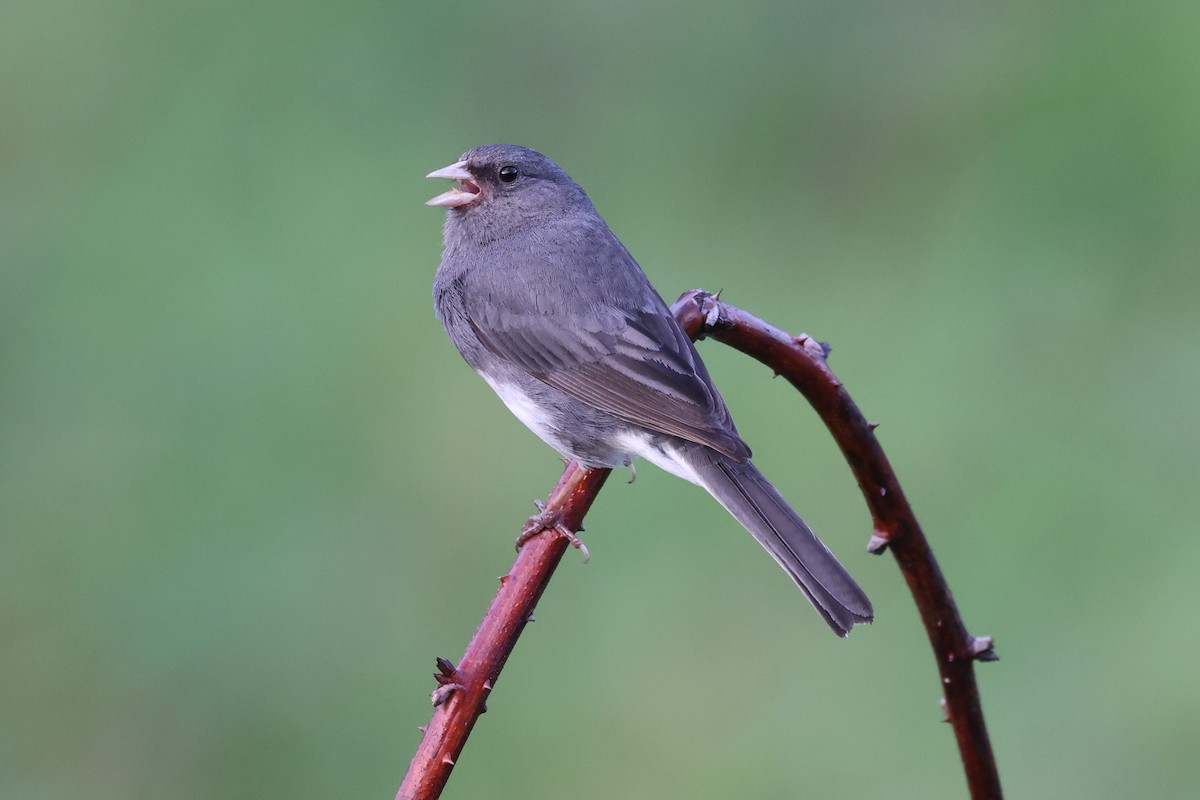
(575, 542)
(541, 521)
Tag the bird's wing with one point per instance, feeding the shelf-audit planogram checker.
(637, 364)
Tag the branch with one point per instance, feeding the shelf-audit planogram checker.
(463, 690)
(802, 361)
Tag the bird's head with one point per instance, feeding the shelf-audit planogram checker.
(503, 188)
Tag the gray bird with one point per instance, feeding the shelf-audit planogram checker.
(552, 311)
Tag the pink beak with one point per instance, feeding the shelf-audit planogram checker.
(465, 193)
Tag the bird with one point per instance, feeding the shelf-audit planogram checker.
(549, 308)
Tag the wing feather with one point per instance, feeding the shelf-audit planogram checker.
(640, 367)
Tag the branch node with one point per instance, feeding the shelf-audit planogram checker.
(982, 649)
(818, 351)
(444, 692)
(879, 542)
(712, 317)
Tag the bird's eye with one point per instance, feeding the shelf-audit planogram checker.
(509, 174)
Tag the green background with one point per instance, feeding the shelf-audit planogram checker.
(248, 491)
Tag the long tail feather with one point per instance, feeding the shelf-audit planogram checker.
(755, 503)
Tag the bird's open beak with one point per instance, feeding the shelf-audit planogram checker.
(465, 193)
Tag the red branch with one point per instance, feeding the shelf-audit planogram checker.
(463, 690)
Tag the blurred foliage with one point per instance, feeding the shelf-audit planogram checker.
(248, 491)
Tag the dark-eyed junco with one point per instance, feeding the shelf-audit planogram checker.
(550, 309)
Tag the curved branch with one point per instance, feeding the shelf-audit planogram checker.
(802, 361)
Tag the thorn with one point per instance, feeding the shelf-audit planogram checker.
(448, 760)
(801, 339)
(422, 729)
(504, 579)
(945, 710)
(487, 686)
(530, 618)
(717, 296)
(872, 425)
(837, 384)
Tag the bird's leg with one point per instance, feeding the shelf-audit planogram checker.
(550, 521)
(632, 469)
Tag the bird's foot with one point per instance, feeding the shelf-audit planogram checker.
(550, 521)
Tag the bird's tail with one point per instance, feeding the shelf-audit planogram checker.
(755, 503)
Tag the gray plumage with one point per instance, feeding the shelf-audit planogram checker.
(548, 306)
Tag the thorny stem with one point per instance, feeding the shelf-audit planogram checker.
(472, 680)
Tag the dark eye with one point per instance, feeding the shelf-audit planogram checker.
(509, 174)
